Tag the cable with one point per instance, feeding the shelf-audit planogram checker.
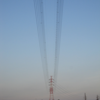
(38, 6)
(58, 37)
(61, 89)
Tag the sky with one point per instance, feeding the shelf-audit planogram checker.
(21, 70)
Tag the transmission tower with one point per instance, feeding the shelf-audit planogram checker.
(97, 98)
(85, 98)
(51, 89)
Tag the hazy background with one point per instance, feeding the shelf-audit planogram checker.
(21, 71)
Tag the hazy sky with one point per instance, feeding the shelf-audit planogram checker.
(21, 71)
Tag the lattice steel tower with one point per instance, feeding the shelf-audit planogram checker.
(51, 89)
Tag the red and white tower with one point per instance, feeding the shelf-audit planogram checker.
(51, 89)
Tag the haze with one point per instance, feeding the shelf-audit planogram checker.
(21, 71)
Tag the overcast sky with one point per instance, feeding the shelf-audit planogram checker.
(21, 71)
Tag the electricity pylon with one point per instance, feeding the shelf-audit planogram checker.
(51, 89)
(85, 98)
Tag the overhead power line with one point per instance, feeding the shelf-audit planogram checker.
(58, 37)
(62, 90)
(38, 5)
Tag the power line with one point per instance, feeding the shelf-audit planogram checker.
(38, 5)
(62, 89)
(58, 37)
